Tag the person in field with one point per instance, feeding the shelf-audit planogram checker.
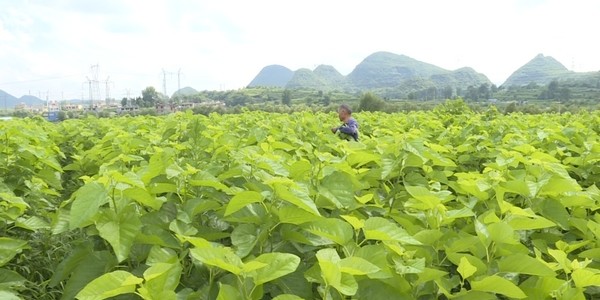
(350, 126)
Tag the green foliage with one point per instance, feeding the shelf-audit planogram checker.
(370, 102)
(449, 204)
(511, 108)
(453, 107)
(62, 115)
(388, 71)
(149, 97)
(286, 98)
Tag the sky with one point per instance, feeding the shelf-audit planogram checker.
(47, 48)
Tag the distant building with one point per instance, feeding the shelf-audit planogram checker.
(128, 109)
(186, 106)
(21, 106)
(164, 108)
(212, 103)
(30, 109)
(72, 107)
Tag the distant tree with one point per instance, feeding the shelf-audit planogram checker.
(472, 93)
(320, 94)
(149, 97)
(412, 96)
(459, 92)
(62, 115)
(565, 94)
(238, 100)
(286, 98)
(453, 107)
(493, 90)
(431, 93)
(553, 89)
(484, 91)
(308, 100)
(511, 108)
(176, 99)
(532, 85)
(371, 102)
(448, 92)
(124, 102)
(326, 100)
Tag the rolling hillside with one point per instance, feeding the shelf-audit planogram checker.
(383, 71)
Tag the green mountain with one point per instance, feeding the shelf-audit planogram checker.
(541, 70)
(30, 100)
(305, 78)
(324, 77)
(461, 78)
(388, 70)
(9, 101)
(399, 76)
(329, 75)
(272, 76)
(186, 91)
(391, 74)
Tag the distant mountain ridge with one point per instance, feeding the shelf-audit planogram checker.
(379, 71)
(9, 101)
(324, 77)
(384, 70)
(399, 75)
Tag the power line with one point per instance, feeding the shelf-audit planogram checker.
(170, 74)
(93, 84)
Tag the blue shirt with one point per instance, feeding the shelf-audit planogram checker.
(351, 128)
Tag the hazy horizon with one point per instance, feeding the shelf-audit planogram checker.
(49, 48)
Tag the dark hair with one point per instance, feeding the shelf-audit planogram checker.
(346, 108)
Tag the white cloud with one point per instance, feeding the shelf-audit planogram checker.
(223, 44)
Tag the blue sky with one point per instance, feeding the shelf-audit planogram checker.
(49, 46)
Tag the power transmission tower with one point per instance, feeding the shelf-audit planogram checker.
(89, 81)
(164, 79)
(179, 80)
(95, 83)
(107, 83)
(164, 82)
(128, 98)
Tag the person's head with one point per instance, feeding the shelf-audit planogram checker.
(344, 112)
